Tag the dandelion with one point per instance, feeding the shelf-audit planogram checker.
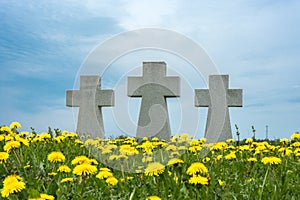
(3, 157)
(11, 145)
(284, 141)
(104, 174)
(12, 184)
(175, 161)
(221, 183)
(295, 136)
(84, 169)
(46, 197)
(271, 160)
(198, 180)
(230, 156)
(56, 156)
(154, 169)
(111, 181)
(197, 167)
(67, 180)
(15, 125)
(80, 160)
(252, 160)
(64, 168)
(153, 198)
(5, 129)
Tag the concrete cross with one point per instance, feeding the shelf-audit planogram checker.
(154, 87)
(218, 98)
(90, 99)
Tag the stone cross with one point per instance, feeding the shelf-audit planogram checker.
(154, 87)
(90, 99)
(218, 98)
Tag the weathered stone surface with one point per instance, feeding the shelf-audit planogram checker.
(90, 99)
(154, 87)
(218, 98)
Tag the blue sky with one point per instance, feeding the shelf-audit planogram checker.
(43, 44)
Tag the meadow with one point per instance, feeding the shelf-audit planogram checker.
(62, 165)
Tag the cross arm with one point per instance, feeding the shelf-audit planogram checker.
(235, 97)
(105, 98)
(132, 86)
(202, 98)
(73, 98)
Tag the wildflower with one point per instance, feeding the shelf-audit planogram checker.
(153, 198)
(104, 174)
(249, 141)
(230, 140)
(47, 197)
(221, 183)
(197, 167)
(128, 150)
(64, 168)
(295, 136)
(84, 169)
(285, 151)
(271, 160)
(175, 161)
(198, 180)
(80, 160)
(56, 156)
(230, 156)
(111, 181)
(171, 148)
(252, 160)
(67, 180)
(5, 129)
(3, 157)
(11, 145)
(284, 141)
(12, 184)
(52, 174)
(194, 149)
(154, 169)
(219, 157)
(15, 125)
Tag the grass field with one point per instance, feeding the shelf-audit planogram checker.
(62, 165)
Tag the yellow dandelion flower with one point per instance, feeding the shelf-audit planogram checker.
(46, 197)
(67, 180)
(3, 157)
(104, 174)
(230, 156)
(147, 159)
(221, 183)
(56, 156)
(197, 167)
(12, 184)
(11, 145)
(171, 148)
(52, 174)
(153, 198)
(198, 180)
(252, 160)
(175, 161)
(84, 169)
(5, 129)
(271, 160)
(80, 160)
(111, 181)
(219, 157)
(64, 168)
(128, 150)
(154, 169)
(249, 141)
(284, 141)
(14, 125)
(295, 136)
(230, 140)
